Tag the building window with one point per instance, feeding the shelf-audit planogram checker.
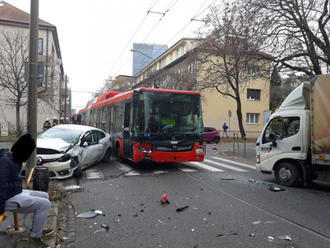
(40, 46)
(253, 70)
(253, 94)
(252, 118)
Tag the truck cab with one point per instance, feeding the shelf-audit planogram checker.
(283, 145)
(294, 145)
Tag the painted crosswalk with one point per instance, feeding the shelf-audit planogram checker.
(212, 164)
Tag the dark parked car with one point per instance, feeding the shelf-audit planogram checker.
(211, 135)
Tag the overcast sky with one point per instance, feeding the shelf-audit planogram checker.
(96, 36)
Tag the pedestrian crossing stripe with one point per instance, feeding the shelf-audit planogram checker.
(207, 167)
(186, 169)
(237, 163)
(225, 165)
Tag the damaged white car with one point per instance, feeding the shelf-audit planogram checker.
(66, 149)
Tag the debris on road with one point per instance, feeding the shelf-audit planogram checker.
(105, 226)
(227, 178)
(270, 238)
(256, 222)
(73, 188)
(99, 230)
(273, 188)
(252, 235)
(164, 199)
(89, 214)
(252, 181)
(285, 237)
(182, 208)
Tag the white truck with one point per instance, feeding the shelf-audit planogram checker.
(294, 145)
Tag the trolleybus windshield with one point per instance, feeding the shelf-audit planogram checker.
(167, 114)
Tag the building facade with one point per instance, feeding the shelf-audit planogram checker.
(179, 68)
(53, 97)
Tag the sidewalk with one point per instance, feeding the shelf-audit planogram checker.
(237, 151)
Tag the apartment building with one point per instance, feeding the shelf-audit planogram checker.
(179, 68)
(53, 97)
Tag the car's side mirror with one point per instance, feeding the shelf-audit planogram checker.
(84, 143)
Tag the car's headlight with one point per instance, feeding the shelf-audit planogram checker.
(64, 158)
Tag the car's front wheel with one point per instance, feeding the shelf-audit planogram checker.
(78, 172)
(107, 156)
(216, 140)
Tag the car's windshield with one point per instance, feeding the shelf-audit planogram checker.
(70, 136)
(162, 114)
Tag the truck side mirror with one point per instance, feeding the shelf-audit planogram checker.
(273, 139)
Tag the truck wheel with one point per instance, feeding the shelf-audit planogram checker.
(107, 156)
(287, 174)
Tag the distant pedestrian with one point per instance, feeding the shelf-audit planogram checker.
(224, 127)
(55, 121)
(47, 124)
(62, 120)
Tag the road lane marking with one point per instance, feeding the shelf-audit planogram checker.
(225, 165)
(207, 167)
(234, 162)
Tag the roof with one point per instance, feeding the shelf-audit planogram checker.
(11, 14)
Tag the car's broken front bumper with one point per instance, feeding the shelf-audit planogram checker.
(56, 169)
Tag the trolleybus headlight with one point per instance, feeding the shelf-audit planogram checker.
(146, 148)
(199, 150)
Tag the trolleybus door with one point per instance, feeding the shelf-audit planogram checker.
(128, 142)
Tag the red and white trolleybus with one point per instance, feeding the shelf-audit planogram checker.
(150, 124)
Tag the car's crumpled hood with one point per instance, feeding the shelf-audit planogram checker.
(53, 143)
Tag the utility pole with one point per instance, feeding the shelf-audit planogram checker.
(33, 81)
(65, 97)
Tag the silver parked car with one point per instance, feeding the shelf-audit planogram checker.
(66, 149)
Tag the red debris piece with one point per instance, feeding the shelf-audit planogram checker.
(164, 199)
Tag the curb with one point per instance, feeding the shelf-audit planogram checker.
(52, 223)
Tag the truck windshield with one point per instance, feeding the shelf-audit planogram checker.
(167, 114)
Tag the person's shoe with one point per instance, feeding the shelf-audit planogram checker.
(36, 242)
(47, 232)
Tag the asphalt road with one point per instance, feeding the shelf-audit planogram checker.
(229, 205)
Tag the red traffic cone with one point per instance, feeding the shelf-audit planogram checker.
(214, 146)
(164, 199)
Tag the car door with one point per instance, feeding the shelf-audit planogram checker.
(128, 142)
(90, 149)
(206, 134)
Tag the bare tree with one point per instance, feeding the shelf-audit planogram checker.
(13, 56)
(230, 58)
(296, 32)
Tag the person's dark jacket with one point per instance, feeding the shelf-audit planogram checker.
(10, 179)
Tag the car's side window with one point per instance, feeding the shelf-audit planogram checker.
(89, 139)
